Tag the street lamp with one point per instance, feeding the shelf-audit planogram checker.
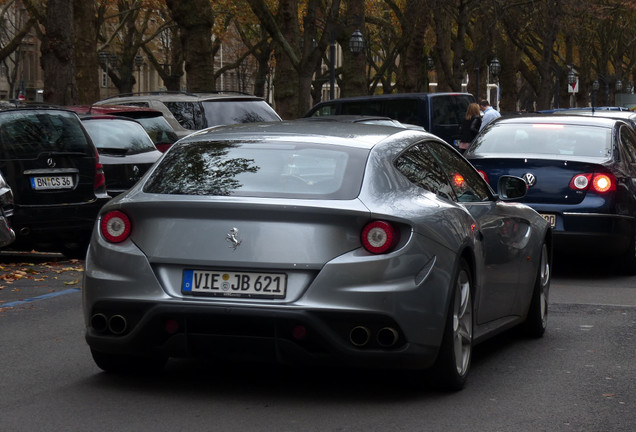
(356, 45)
(356, 42)
(595, 87)
(139, 60)
(495, 67)
(619, 85)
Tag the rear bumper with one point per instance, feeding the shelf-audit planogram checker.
(39, 225)
(271, 335)
(602, 233)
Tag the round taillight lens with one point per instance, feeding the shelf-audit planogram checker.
(378, 237)
(580, 181)
(115, 226)
(602, 183)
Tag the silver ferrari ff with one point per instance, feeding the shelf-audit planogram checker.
(314, 243)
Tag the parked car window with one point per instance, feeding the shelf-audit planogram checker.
(294, 170)
(119, 135)
(373, 108)
(27, 135)
(420, 167)
(628, 139)
(190, 115)
(402, 110)
(547, 139)
(241, 111)
(465, 181)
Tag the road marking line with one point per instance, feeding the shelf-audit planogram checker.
(42, 297)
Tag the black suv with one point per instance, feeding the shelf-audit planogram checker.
(58, 183)
(439, 113)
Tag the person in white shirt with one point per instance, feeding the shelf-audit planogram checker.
(489, 113)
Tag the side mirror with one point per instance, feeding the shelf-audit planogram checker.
(510, 187)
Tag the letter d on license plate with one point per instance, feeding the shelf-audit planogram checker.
(234, 284)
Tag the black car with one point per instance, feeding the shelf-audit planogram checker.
(7, 235)
(581, 177)
(53, 168)
(125, 150)
(152, 120)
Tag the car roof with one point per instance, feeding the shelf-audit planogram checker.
(572, 119)
(605, 113)
(107, 117)
(339, 133)
(34, 107)
(180, 96)
(394, 96)
(128, 110)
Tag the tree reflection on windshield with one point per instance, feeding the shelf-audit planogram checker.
(199, 170)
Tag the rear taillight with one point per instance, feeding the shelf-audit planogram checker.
(100, 178)
(115, 226)
(379, 237)
(597, 182)
(484, 176)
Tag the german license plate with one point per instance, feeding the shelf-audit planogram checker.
(52, 182)
(550, 218)
(234, 284)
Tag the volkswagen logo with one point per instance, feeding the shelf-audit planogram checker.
(50, 162)
(530, 179)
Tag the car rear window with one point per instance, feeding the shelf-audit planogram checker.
(158, 129)
(199, 115)
(545, 139)
(279, 169)
(239, 111)
(119, 135)
(26, 134)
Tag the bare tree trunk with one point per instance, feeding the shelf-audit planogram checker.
(86, 63)
(195, 19)
(354, 82)
(58, 54)
(412, 73)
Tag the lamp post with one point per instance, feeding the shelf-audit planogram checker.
(495, 70)
(139, 60)
(573, 86)
(356, 46)
(430, 66)
(104, 59)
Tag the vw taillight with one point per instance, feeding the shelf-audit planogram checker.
(597, 182)
(379, 237)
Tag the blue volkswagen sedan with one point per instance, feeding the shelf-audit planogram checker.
(581, 177)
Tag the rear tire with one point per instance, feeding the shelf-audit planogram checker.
(120, 363)
(453, 361)
(537, 319)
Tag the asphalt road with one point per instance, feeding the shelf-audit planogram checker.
(580, 377)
